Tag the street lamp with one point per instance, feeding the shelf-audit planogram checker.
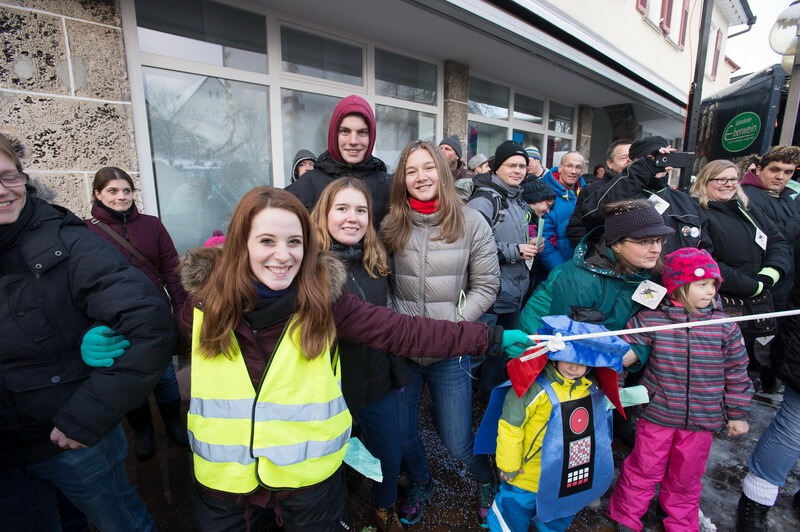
(783, 38)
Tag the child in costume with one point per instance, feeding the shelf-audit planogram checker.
(697, 380)
(554, 434)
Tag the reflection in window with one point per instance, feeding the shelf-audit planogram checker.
(556, 147)
(397, 128)
(203, 31)
(487, 99)
(312, 55)
(402, 77)
(526, 138)
(210, 144)
(528, 109)
(560, 118)
(484, 138)
(305, 124)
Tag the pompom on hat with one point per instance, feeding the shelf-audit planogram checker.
(687, 265)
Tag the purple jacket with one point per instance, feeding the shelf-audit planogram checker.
(692, 375)
(150, 238)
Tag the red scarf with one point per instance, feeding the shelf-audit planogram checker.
(423, 207)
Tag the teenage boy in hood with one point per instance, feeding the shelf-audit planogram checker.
(351, 138)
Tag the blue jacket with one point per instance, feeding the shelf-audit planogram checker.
(557, 247)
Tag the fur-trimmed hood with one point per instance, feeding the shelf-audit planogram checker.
(197, 264)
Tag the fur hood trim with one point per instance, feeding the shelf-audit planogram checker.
(197, 264)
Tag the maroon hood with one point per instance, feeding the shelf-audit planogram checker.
(350, 105)
(750, 178)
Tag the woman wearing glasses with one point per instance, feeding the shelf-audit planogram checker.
(60, 430)
(610, 267)
(751, 252)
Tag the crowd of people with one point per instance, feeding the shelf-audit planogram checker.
(327, 307)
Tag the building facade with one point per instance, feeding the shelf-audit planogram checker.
(201, 100)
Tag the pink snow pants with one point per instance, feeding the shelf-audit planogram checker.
(676, 458)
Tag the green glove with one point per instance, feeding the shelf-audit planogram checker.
(515, 342)
(100, 346)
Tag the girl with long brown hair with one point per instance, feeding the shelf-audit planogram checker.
(444, 265)
(370, 377)
(268, 424)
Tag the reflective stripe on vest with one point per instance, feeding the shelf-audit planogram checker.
(265, 411)
(294, 434)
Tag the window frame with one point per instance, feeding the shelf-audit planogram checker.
(523, 125)
(274, 80)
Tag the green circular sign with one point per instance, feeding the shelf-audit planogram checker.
(741, 131)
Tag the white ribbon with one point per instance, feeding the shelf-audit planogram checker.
(551, 342)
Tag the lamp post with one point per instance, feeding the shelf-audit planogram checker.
(783, 38)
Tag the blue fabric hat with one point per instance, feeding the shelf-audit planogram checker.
(604, 352)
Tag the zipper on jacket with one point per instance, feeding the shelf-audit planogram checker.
(255, 400)
(688, 372)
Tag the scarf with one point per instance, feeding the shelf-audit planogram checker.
(423, 207)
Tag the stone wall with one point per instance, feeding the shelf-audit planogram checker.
(64, 93)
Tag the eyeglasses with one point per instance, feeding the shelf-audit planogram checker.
(648, 242)
(724, 180)
(14, 180)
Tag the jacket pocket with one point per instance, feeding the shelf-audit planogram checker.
(37, 393)
(27, 312)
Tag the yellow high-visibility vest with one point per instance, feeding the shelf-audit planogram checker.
(291, 433)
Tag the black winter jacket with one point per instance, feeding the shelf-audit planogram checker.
(735, 248)
(785, 212)
(372, 170)
(367, 374)
(56, 281)
(789, 363)
(639, 181)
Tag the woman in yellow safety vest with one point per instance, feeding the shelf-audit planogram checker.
(267, 422)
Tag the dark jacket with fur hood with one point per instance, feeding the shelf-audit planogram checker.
(356, 321)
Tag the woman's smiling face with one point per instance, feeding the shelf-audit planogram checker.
(275, 247)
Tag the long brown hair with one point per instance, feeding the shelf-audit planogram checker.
(396, 226)
(374, 257)
(231, 292)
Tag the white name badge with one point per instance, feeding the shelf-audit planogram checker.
(761, 239)
(659, 203)
(649, 294)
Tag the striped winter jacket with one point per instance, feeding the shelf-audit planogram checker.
(696, 378)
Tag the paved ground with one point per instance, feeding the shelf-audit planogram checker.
(165, 484)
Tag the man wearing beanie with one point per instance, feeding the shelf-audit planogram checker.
(644, 180)
(566, 183)
(351, 138)
(535, 169)
(498, 196)
(452, 152)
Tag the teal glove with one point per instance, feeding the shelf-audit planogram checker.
(515, 342)
(100, 347)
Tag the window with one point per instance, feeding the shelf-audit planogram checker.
(210, 144)
(487, 99)
(484, 138)
(527, 138)
(714, 49)
(403, 77)
(556, 148)
(305, 124)
(312, 55)
(684, 23)
(560, 119)
(398, 127)
(528, 109)
(204, 31)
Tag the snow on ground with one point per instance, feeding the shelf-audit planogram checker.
(453, 504)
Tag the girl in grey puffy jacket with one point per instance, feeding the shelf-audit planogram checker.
(444, 265)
